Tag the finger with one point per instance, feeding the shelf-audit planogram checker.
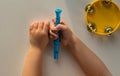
(46, 26)
(36, 25)
(40, 25)
(33, 22)
(54, 20)
(53, 37)
(31, 27)
(62, 22)
(52, 25)
(52, 33)
(59, 27)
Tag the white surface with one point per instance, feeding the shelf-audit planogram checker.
(15, 17)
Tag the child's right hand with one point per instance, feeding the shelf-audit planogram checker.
(67, 37)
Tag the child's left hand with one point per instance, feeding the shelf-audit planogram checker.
(39, 34)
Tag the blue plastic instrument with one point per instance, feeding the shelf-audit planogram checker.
(57, 41)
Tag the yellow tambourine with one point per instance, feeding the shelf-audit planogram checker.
(102, 17)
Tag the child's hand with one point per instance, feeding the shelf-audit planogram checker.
(39, 34)
(67, 37)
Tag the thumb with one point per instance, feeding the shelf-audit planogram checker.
(59, 27)
(46, 26)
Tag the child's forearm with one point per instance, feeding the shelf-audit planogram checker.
(33, 63)
(87, 60)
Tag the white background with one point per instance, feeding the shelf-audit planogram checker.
(15, 17)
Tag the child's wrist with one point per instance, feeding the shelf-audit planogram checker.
(72, 43)
(35, 52)
(36, 48)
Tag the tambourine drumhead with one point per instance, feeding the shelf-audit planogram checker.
(102, 18)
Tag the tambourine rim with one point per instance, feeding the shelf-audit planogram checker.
(101, 33)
